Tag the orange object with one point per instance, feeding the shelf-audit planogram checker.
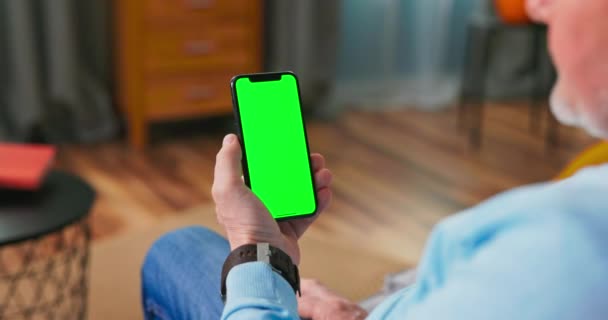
(512, 11)
(24, 166)
(593, 156)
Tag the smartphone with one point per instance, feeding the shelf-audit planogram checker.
(276, 157)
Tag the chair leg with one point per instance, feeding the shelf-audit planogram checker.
(552, 139)
(538, 93)
(476, 131)
(466, 81)
(470, 109)
(553, 125)
(484, 41)
(462, 113)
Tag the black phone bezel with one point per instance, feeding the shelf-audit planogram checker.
(260, 77)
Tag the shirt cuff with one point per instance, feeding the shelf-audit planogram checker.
(256, 285)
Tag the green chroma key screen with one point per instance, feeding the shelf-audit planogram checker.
(275, 143)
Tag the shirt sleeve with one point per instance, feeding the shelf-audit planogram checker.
(255, 291)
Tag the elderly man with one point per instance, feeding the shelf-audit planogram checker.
(537, 252)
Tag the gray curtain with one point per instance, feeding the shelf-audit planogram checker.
(302, 36)
(55, 75)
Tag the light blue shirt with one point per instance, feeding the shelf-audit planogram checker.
(536, 252)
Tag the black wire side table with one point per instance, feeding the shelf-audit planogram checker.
(44, 249)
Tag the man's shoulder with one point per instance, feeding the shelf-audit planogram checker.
(546, 240)
(580, 202)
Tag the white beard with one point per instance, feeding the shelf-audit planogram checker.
(591, 117)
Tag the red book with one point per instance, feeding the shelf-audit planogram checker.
(24, 166)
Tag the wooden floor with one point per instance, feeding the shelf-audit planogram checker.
(396, 173)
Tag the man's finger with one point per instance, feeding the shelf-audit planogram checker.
(323, 199)
(323, 179)
(318, 162)
(300, 225)
(227, 174)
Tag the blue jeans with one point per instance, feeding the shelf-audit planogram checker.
(181, 275)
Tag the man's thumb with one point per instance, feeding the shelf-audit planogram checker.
(227, 177)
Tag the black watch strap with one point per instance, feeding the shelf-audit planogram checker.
(278, 260)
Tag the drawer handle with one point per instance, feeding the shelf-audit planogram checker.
(199, 4)
(198, 48)
(199, 93)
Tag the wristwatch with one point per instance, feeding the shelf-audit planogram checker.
(279, 261)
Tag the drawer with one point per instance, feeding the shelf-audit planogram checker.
(178, 11)
(187, 95)
(216, 48)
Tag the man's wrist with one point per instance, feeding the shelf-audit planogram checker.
(236, 238)
(236, 241)
(258, 280)
(277, 259)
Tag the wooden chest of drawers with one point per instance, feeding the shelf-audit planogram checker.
(176, 57)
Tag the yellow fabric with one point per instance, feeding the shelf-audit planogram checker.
(594, 155)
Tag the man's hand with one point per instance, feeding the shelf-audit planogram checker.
(319, 303)
(245, 218)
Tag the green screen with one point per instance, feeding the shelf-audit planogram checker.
(275, 145)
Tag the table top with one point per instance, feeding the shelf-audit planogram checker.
(62, 200)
